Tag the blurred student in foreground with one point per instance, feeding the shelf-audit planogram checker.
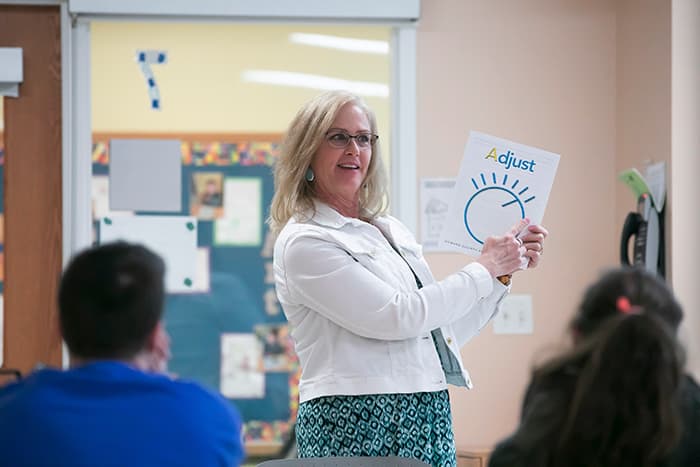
(115, 406)
(619, 397)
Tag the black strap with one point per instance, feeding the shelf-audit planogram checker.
(418, 281)
(450, 365)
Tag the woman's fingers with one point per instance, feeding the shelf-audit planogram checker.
(538, 229)
(520, 248)
(519, 226)
(502, 255)
(533, 241)
(533, 258)
(533, 246)
(532, 238)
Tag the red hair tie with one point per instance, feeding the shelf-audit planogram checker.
(624, 306)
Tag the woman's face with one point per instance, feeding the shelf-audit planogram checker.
(340, 171)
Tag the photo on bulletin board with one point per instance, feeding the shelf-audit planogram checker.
(277, 346)
(100, 199)
(207, 195)
(241, 375)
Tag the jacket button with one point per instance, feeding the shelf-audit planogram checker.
(449, 340)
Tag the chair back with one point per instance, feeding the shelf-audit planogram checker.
(356, 461)
(8, 375)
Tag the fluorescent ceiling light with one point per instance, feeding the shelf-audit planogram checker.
(342, 43)
(305, 80)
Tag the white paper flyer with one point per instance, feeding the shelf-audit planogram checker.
(499, 183)
(435, 197)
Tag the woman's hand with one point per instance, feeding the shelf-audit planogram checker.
(533, 241)
(506, 254)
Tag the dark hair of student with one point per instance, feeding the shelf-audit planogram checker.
(612, 400)
(623, 407)
(110, 300)
(638, 286)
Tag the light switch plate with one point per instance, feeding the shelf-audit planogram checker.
(515, 316)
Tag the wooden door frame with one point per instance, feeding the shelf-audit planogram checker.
(33, 188)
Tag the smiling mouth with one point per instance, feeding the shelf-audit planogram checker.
(349, 166)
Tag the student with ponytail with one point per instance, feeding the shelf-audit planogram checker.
(619, 397)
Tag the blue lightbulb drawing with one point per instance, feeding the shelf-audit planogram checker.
(503, 201)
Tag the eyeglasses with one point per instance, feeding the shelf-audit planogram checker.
(340, 139)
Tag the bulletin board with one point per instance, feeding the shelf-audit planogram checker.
(229, 332)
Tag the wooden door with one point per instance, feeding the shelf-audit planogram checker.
(32, 189)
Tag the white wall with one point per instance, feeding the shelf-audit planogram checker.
(608, 85)
(643, 91)
(685, 189)
(541, 72)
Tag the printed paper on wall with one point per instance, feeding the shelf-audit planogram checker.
(174, 238)
(242, 221)
(241, 366)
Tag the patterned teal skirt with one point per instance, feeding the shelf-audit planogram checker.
(415, 425)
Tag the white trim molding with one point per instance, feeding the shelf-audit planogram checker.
(403, 133)
(371, 10)
(685, 165)
(79, 167)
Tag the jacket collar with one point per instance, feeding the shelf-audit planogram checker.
(327, 216)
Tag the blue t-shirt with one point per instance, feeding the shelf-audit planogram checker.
(110, 414)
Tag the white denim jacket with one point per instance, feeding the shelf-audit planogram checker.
(359, 322)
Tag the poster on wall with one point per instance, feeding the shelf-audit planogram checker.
(207, 195)
(201, 283)
(145, 175)
(100, 199)
(174, 238)
(435, 197)
(278, 348)
(241, 366)
(242, 222)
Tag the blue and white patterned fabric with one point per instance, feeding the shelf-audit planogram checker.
(417, 425)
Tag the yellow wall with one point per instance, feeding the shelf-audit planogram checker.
(201, 87)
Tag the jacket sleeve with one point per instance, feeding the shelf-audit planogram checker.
(484, 311)
(322, 276)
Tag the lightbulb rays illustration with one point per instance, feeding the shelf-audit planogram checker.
(495, 197)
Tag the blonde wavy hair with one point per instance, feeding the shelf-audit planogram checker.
(293, 194)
